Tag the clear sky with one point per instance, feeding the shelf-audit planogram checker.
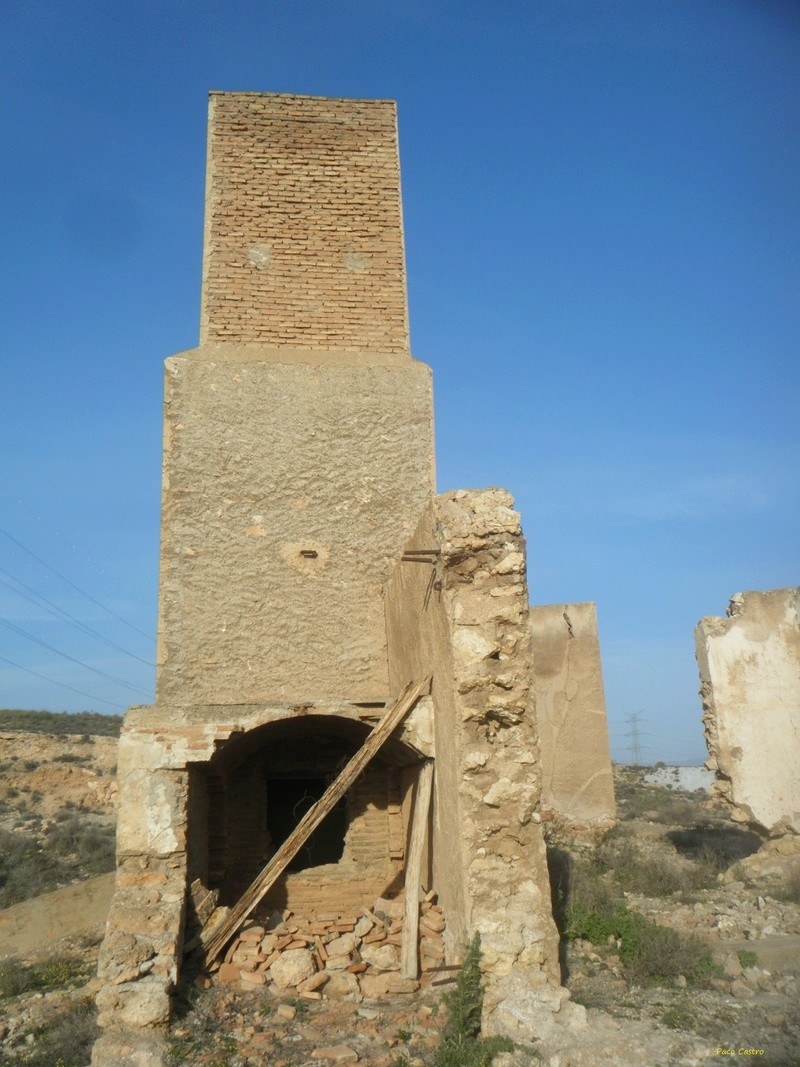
(601, 207)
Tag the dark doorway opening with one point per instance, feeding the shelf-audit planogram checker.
(288, 800)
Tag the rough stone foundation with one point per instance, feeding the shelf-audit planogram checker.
(750, 687)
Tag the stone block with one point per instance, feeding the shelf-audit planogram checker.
(145, 1003)
(382, 957)
(339, 984)
(152, 814)
(130, 1047)
(293, 967)
(342, 946)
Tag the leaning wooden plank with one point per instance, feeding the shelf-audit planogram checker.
(409, 957)
(221, 935)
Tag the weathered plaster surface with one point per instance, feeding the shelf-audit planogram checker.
(464, 613)
(289, 487)
(750, 687)
(577, 784)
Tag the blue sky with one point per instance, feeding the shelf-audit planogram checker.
(601, 209)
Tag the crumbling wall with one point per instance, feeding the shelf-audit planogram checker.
(577, 783)
(750, 687)
(461, 610)
(141, 953)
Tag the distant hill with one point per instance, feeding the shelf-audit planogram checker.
(61, 722)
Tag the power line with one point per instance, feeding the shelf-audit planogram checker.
(80, 692)
(58, 652)
(65, 616)
(77, 589)
(634, 734)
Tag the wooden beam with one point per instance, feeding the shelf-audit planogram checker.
(217, 938)
(409, 957)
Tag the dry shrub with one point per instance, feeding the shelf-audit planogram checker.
(790, 888)
(67, 1042)
(26, 870)
(51, 973)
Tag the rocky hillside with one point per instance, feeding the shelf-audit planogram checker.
(58, 797)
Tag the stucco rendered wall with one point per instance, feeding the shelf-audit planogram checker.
(303, 234)
(464, 615)
(750, 687)
(290, 484)
(577, 784)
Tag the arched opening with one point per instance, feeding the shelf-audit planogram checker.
(248, 798)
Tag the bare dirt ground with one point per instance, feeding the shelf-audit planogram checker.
(729, 982)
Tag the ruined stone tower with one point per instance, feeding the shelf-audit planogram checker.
(298, 448)
(308, 574)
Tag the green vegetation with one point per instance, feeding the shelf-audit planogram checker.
(461, 1044)
(687, 1014)
(72, 848)
(91, 846)
(649, 952)
(27, 870)
(637, 800)
(656, 875)
(588, 904)
(61, 722)
(53, 973)
(680, 1016)
(747, 958)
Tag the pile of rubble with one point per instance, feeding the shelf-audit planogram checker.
(336, 954)
(727, 913)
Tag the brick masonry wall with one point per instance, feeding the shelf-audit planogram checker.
(303, 233)
(140, 956)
